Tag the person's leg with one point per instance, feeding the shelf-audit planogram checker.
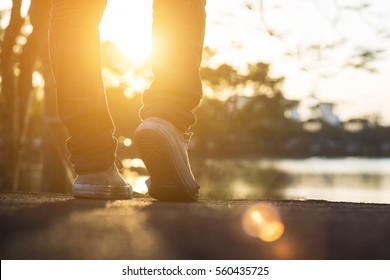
(177, 43)
(178, 34)
(75, 54)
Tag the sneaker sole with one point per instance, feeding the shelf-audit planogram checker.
(101, 192)
(167, 182)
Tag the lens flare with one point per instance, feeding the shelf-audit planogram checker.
(263, 221)
(127, 142)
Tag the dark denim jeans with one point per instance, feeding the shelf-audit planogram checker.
(178, 33)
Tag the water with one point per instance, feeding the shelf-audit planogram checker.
(345, 179)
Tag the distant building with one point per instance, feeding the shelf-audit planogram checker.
(315, 110)
(327, 115)
(309, 110)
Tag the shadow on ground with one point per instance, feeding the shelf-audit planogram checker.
(56, 226)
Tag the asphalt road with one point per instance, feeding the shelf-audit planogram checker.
(57, 226)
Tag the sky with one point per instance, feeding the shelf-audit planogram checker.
(238, 34)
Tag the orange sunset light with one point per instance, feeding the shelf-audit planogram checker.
(128, 24)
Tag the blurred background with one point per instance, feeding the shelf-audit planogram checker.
(296, 98)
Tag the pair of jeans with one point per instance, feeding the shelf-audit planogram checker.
(75, 52)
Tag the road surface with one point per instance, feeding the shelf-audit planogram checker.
(57, 226)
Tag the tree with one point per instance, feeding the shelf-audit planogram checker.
(244, 113)
(314, 53)
(9, 126)
(19, 62)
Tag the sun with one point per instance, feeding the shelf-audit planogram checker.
(129, 24)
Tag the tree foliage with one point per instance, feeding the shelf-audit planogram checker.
(342, 46)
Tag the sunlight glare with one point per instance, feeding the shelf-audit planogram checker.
(139, 85)
(140, 185)
(133, 162)
(137, 162)
(262, 221)
(137, 182)
(128, 24)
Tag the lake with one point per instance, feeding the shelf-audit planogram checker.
(344, 179)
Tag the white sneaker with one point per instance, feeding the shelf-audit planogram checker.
(163, 148)
(106, 185)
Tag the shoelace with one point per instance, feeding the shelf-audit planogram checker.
(118, 162)
(187, 137)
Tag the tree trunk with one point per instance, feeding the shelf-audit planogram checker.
(17, 97)
(9, 128)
